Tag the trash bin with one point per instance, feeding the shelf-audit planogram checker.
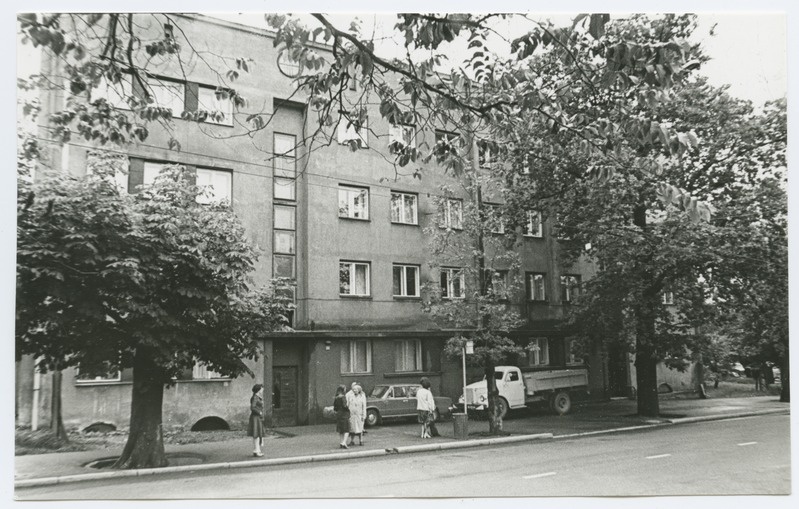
(460, 423)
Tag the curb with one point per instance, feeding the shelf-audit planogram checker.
(409, 449)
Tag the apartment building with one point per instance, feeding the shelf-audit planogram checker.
(343, 224)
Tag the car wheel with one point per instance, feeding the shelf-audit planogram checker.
(562, 403)
(502, 407)
(372, 417)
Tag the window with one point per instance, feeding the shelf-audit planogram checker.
(285, 155)
(287, 65)
(119, 163)
(493, 214)
(201, 372)
(353, 278)
(574, 359)
(536, 289)
(486, 153)
(538, 352)
(103, 373)
(284, 217)
(217, 103)
(404, 208)
(401, 136)
(667, 298)
(353, 202)
(408, 355)
(283, 266)
(533, 228)
(348, 132)
(356, 356)
(447, 141)
(453, 213)
(167, 94)
(452, 284)
(406, 280)
(151, 171)
(498, 283)
(113, 93)
(217, 185)
(284, 241)
(569, 287)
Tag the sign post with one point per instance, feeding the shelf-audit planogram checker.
(467, 349)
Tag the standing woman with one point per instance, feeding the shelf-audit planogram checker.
(342, 416)
(356, 402)
(255, 428)
(426, 406)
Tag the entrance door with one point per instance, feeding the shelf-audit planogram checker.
(284, 396)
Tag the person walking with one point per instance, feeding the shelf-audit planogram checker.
(356, 402)
(342, 416)
(255, 428)
(425, 406)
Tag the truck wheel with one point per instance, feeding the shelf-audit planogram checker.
(502, 407)
(372, 417)
(562, 403)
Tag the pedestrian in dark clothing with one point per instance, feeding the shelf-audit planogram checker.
(342, 415)
(255, 428)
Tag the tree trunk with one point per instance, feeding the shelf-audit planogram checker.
(494, 419)
(785, 378)
(647, 380)
(56, 418)
(145, 445)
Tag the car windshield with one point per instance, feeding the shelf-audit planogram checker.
(379, 391)
(499, 374)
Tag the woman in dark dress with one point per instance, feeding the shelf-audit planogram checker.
(342, 416)
(255, 428)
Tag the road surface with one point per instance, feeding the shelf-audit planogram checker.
(737, 456)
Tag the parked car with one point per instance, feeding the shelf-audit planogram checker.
(397, 401)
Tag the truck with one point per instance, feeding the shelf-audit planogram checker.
(519, 389)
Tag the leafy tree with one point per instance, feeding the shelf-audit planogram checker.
(155, 281)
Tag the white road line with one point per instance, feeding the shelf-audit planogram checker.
(535, 476)
(658, 456)
(746, 443)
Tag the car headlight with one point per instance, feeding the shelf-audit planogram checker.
(482, 398)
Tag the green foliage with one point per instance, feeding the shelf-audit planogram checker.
(101, 273)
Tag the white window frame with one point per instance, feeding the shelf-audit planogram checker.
(569, 284)
(151, 170)
(218, 179)
(168, 94)
(404, 279)
(406, 347)
(495, 218)
(208, 101)
(528, 228)
(403, 135)
(347, 132)
(201, 372)
(531, 287)
(449, 138)
(485, 153)
(97, 379)
(448, 213)
(120, 177)
(667, 298)
(573, 360)
(402, 196)
(349, 352)
(503, 278)
(349, 195)
(352, 268)
(539, 354)
(451, 273)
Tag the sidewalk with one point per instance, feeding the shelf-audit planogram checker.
(313, 443)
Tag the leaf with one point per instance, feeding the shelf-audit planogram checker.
(597, 25)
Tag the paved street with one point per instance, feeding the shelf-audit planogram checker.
(736, 456)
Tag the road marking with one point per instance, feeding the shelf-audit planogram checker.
(536, 476)
(658, 456)
(746, 443)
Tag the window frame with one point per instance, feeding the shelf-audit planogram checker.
(397, 138)
(196, 371)
(352, 271)
(162, 82)
(346, 131)
(528, 227)
(447, 214)
(569, 292)
(667, 298)
(449, 272)
(530, 288)
(404, 280)
(540, 357)
(351, 353)
(213, 200)
(348, 188)
(402, 195)
(495, 209)
(227, 110)
(417, 355)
